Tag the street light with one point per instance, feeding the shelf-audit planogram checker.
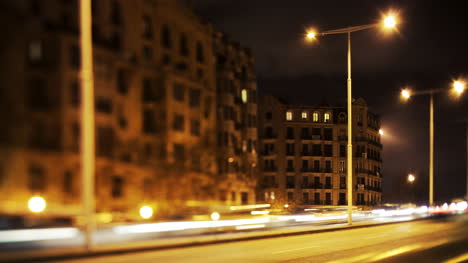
(146, 212)
(458, 86)
(411, 178)
(388, 22)
(37, 204)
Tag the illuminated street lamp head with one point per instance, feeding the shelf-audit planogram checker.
(381, 132)
(405, 94)
(458, 87)
(146, 212)
(311, 35)
(411, 178)
(390, 21)
(37, 204)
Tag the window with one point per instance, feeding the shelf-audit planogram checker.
(305, 165)
(316, 165)
(178, 123)
(35, 51)
(268, 115)
(75, 56)
(166, 37)
(183, 46)
(290, 166)
(75, 93)
(179, 92)
(207, 109)
(305, 133)
(147, 53)
(194, 98)
(105, 141)
(305, 149)
(290, 196)
(116, 16)
(147, 27)
(305, 180)
(179, 153)
(116, 40)
(36, 178)
(328, 150)
(68, 182)
(122, 81)
(290, 133)
(244, 96)
(200, 53)
(328, 166)
(315, 117)
(328, 134)
(289, 148)
(342, 118)
(195, 127)
(326, 117)
(104, 105)
(316, 149)
(290, 182)
(117, 186)
(37, 94)
(304, 115)
(289, 115)
(149, 124)
(305, 197)
(342, 150)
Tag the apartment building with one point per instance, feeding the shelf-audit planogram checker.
(155, 73)
(303, 154)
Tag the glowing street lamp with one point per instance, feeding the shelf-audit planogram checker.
(406, 94)
(458, 86)
(215, 216)
(388, 22)
(146, 212)
(37, 204)
(411, 178)
(381, 132)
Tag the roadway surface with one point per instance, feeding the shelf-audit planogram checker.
(441, 240)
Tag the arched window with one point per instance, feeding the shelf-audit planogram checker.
(315, 117)
(304, 115)
(342, 118)
(289, 115)
(326, 117)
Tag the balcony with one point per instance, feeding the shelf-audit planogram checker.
(307, 186)
(342, 138)
(328, 170)
(317, 153)
(342, 202)
(270, 136)
(270, 169)
(290, 169)
(328, 202)
(306, 137)
(342, 186)
(316, 137)
(328, 186)
(361, 170)
(290, 185)
(318, 202)
(290, 153)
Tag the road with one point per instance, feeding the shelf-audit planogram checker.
(419, 241)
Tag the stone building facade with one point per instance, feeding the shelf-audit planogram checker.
(303, 154)
(155, 72)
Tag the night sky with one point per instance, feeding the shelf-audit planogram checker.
(429, 50)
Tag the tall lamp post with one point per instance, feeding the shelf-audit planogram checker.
(389, 22)
(457, 87)
(87, 121)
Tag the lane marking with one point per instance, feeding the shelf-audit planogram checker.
(290, 250)
(458, 259)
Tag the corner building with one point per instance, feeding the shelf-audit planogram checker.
(155, 102)
(303, 154)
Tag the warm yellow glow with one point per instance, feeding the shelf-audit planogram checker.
(146, 212)
(37, 204)
(458, 87)
(311, 34)
(244, 96)
(381, 132)
(230, 159)
(390, 21)
(406, 94)
(215, 216)
(411, 178)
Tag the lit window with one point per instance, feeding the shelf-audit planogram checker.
(289, 115)
(326, 117)
(304, 115)
(244, 96)
(315, 117)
